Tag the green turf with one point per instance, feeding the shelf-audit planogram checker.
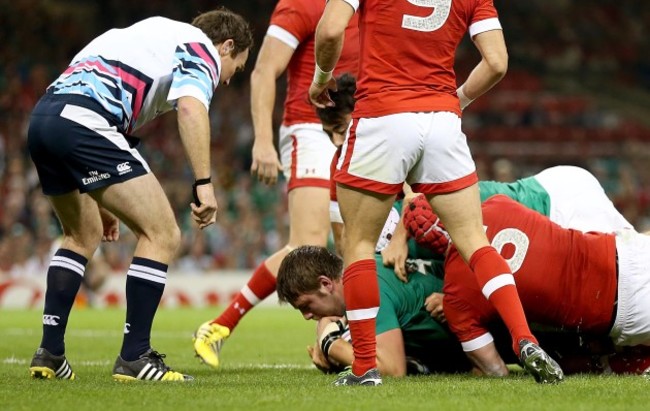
(265, 367)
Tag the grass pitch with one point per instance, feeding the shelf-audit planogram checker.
(265, 367)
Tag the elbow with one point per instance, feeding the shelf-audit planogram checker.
(263, 75)
(329, 33)
(498, 66)
(184, 107)
(256, 75)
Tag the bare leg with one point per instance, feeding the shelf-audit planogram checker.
(364, 215)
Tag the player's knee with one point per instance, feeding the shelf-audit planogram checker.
(165, 237)
(170, 238)
(84, 242)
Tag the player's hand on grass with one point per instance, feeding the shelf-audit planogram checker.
(266, 164)
(206, 213)
(318, 358)
(433, 304)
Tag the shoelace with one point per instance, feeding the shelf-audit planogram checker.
(158, 359)
(346, 371)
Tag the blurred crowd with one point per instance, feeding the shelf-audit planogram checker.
(516, 130)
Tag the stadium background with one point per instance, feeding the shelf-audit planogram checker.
(577, 92)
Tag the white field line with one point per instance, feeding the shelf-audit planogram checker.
(105, 363)
(92, 333)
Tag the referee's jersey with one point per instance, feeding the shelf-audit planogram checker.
(138, 72)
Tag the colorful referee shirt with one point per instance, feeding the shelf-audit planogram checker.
(139, 72)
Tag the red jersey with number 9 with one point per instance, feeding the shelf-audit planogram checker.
(565, 278)
(408, 49)
(297, 21)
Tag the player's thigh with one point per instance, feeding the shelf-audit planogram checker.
(380, 151)
(309, 209)
(142, 205)
(80, 222)
(364, 214)
(306, 154)
(460, 212)
(446, 164)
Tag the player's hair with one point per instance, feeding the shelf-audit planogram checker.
(343, 98)
(222, 24)
(300, 269)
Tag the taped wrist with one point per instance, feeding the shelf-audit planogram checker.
(322, 77)
(332, 332)
(199, 182)
(463, 99)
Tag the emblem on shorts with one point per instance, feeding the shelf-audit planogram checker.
(95, 176)
(124, 168)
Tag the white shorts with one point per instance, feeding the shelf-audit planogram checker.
(306, 154)
(427, 150)
(578, 200)
(632, 324)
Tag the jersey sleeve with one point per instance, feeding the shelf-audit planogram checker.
(354, 3)
(484, 18)
(292, 22)
(195, 73)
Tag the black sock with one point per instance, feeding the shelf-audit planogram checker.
(63, 280)
(145, 283)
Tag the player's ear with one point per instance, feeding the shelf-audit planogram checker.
(227, 47)
(325, 282)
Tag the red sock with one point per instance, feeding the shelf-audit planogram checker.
(260, 286)
(498, 285)
(361, 292)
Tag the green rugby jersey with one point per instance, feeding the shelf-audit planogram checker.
(402, 306)
(526, 191)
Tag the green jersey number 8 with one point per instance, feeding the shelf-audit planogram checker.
(431, 22)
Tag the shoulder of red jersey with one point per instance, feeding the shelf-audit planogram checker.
(482, 17)
(294, 21)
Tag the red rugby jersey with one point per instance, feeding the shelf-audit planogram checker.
(565, 278)
(297, 21)
(408, 51)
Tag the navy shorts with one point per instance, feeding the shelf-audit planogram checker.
(76, 145)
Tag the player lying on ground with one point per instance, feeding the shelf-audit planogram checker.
(598, 283)
(310, 279)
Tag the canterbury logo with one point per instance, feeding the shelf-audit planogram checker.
(127, 326)
(124, 168)
(51, 319)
